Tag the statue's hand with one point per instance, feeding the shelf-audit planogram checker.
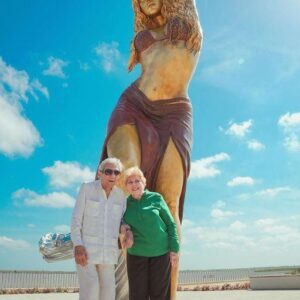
(81, 256)
(132, 60)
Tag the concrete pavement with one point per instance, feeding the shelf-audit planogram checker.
(212, 295)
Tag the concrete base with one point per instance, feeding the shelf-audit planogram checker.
(275, 282)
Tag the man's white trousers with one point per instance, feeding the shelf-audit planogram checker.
(96, 282)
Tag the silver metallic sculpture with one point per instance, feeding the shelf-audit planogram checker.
(56, 246)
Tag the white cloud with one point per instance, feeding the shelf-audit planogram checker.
(36, 85)
(219, 214)
(277, 230)
(205, 168)
(265, 222)
(31, 226)
(241, 181)
(10, 243)
(271, 193)
(244, 197)
(62, 228)
(217, 237)
(239, 130)
(52, 200)
(255, 145)
(219, 204)
(186, 223)
(18, 82)
(55, 67)
(267, 233)
(292, 143)
(237, 226)
(109, 54)
(18, 135)
(67, 174)
(290, 121)
(253, 243)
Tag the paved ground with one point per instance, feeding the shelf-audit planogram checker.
(218, 295)
(240, 295)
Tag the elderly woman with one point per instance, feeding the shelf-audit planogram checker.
(155, 237)
(151, 126)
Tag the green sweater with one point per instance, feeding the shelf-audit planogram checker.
(153, 227)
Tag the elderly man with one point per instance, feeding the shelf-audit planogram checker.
(95, 227)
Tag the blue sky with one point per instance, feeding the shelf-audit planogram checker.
(62, 69)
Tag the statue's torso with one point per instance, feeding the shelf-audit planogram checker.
(167, 67)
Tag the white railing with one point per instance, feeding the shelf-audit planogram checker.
(196, 277)
(37, 279)
(55, 280)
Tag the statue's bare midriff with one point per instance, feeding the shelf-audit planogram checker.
(166, 70)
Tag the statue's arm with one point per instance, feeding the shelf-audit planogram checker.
(133, 57)
(185, 24)
(194, 42)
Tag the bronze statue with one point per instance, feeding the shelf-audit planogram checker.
(151, 126)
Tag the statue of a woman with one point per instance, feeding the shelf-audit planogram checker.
(151, 126)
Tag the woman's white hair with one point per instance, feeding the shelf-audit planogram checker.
(134, 171)
(111, 160)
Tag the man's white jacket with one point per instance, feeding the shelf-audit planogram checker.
(96, 222)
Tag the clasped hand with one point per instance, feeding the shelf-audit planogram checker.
(126, 236)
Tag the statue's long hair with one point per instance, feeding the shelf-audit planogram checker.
(184, 9)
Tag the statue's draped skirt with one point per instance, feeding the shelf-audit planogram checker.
(156, 122)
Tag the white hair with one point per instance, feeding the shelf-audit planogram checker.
(134, 171)
(111, 160)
